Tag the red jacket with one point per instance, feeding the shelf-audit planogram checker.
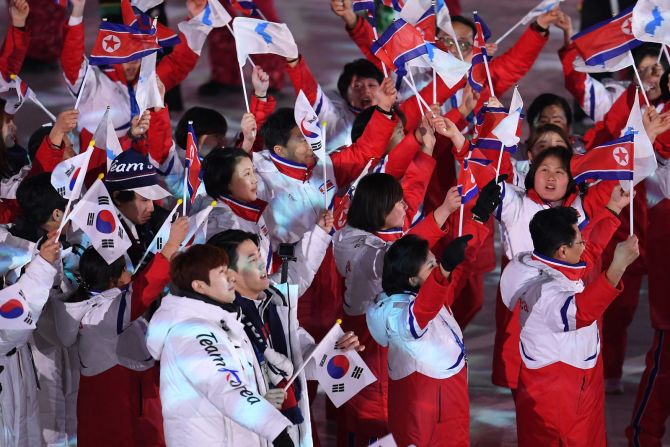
(14, 50)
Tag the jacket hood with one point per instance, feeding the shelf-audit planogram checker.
(176, 309)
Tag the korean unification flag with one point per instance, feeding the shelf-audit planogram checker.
(14, 309)
(645, 159)
(508, 130)
(147, 93)
(447, 67)
(308, 122)
(105, 138)
(96, 215)
(544, 7)
(341, 374)
(651, 21)
(254, 36)
(68, 176)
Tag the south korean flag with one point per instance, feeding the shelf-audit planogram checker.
(341, 374)
(14, 309)
(96, 215)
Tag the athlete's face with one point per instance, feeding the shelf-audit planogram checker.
(396, 218)
(572, 253)
(250, 274)
(548, 139)
(361, 93)
(244, 183)
(551, 180)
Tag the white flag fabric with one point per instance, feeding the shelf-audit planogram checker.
(106, 139)
(145, 5)
(308, 122)
(451, 69)
(147, 93)
(68, 176)
(341, 374)
(386, 441)
(651, 21)
(414, 10)
(444, 19)
(214, 15)
(620, 62)
(197, 230)
(254, 36)
(14, 309)
(96, 215)
(506, 130)
(197, 29)
(163, 233)
(544, 7)
(645, 158)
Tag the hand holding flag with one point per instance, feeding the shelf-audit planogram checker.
(544, 7)
(147, 93)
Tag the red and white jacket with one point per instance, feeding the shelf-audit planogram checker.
(107, 85)
(559, 315)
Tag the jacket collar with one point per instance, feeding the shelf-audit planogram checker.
(249, 211)
(390, 235)
(535, 197)
(573, 272)
(297, 171)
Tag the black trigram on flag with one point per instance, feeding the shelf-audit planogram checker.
(61, 191)
(120, 232)
(69, 171)
(356, 374)
(159, 243)
(103, 200)
(89, 219)
(108, 243)
(338, 388)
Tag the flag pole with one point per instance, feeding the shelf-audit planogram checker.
(325, 164)
(660, 54)
(81, 89)
(502, 149)
(486, 66)
(184, 192)
(435, 42)
(639, 81)
(416, 93)
(244, 87)
(376, 36)
(630, 214)
(311, 355)
(418, 101)
(44, 109)
(667, 55)
(460, 219)
(509, 31)
(146, 253)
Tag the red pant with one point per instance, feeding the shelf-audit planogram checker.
(365, 416)
(223, 55)
(430, 412)
(652, 405)
(616, 320)
(560, 405)
(120, 408)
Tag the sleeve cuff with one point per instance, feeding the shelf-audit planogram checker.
(74, 21)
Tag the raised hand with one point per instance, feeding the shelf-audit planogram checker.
(65, 122)
(344, 10)
(140, 124)
(18, 10)
(386, 95)
(454, 254)
(261, 81)
(326, 221)
(619, 199)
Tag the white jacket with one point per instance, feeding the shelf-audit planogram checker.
(19, 413)
(294, 206)
(359, 257)
(436, 351)
(209, 378)
(549, 332)
(515, 213)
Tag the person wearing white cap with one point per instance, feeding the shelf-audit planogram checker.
(132, 181)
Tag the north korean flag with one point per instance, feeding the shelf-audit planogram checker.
(400, 43)
(134, 17)
(193, 163)
(117, 44)
(611, 161)
(488, 119)
(477, 77)
(397, 5)
(246, 8)
(606, 40)
(467, 186)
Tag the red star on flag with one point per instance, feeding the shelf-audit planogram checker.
(621, 156)
(111, 43)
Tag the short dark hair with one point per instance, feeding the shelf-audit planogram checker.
(543, 101)
(194, 264)
(465, 21)
(665, 91)
(37, 199)
(229, 240)
(375, 197)
(277, 128)
(218, 168)
(403, 261)
(363, 119)
(647, 49)
(361, 68)
(206, 121)
(536, 133)
(96, 273)
(552, 228)
(124, 196)
(564, 155)
(36, 139)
